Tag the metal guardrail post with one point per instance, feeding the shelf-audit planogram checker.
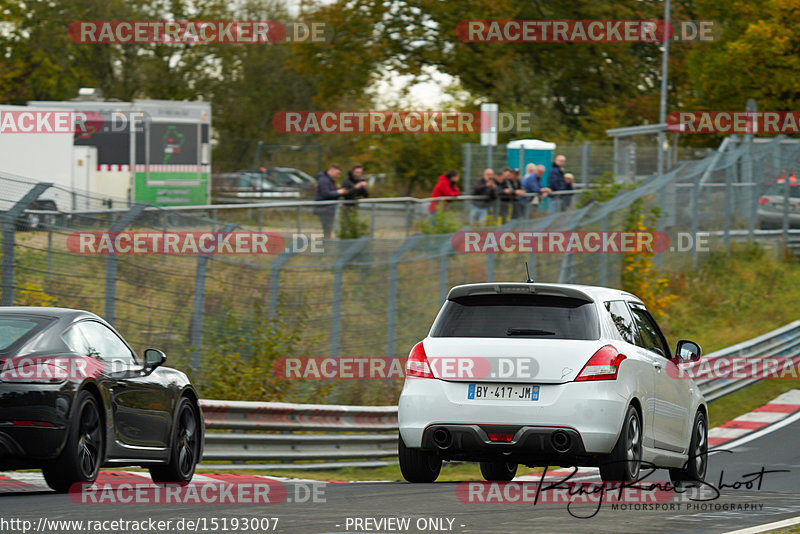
(336, 313)
(111, 260)
(490, 267)
(9, 221)
(196, 330)
(391, 319)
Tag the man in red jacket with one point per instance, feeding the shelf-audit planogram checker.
(445, 187)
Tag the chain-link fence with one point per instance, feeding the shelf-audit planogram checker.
(374, 295)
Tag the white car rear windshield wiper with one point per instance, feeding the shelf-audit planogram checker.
(528, 332)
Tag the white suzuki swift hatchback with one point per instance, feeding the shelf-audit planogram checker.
(550, 374)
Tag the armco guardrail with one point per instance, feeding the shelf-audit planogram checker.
(779, 345)
(370, 432)
(363, 432)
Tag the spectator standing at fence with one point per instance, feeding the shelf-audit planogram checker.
(355, 183)
(483, 186)
(518, 205)
(327, 190)
(556, 179)
(506, 192)
(569, 185)
(446, 186)
(533, 182)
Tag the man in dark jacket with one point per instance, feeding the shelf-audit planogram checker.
(327, 190)
(355, 184)
(556, 179)
(483, 186)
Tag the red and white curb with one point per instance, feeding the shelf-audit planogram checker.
(777, 409)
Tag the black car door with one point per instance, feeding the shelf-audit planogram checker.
(140, 403)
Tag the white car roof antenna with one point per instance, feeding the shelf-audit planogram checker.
(528, 280)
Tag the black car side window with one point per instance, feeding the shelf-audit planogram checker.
(623, 320)
(105, 344)
(650, 335)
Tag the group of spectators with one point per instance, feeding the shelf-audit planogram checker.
(506, 195)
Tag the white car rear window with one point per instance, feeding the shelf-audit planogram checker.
(514, 315)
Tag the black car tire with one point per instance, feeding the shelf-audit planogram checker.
(623, 464)
(185, 453)
(418, 465)
(82, 456)
(694, 470)
(498, 471)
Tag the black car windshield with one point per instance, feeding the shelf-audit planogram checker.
(518, 316)
(15, 329)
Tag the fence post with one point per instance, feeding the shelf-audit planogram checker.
(444, 266)
(467, 167)
(585, 155)
(275, 281)
(111, 260)
(196, 331)
(391, 319)
(336, 320)
(729, 204)
(604, 258)
(49, 250)
(695, 201)
(409, 216)
(747, 163)
(9, 228)
(490, 267)
(778, 163)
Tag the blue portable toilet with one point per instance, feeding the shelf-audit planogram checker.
(524, 151)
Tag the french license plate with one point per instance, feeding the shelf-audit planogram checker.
(502, 392)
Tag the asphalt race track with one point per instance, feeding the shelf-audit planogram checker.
(438, 509)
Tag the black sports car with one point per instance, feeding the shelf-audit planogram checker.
(75, 397)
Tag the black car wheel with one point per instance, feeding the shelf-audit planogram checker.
(623, 464)
(418, 465)
(696, 465)
(185, 447)
(498, 471)
(82, 455)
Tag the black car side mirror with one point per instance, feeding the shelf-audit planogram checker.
(153, 358)
(688, 350)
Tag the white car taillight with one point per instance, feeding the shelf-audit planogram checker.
(417, 364)
(603, 365)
